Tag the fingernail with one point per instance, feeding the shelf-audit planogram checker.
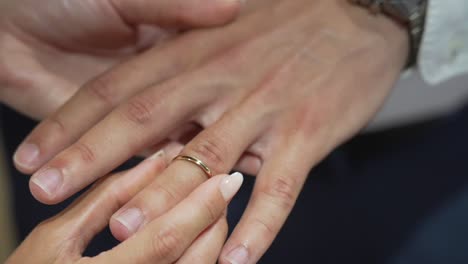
(240, 255)
(158, 155)
(27, 155)
(49, 180)
(230, 185)
(131, 218)
(175, 150)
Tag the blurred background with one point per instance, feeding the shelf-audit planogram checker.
(8, 236)
(411, 102)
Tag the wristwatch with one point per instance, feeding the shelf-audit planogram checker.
(411, 13)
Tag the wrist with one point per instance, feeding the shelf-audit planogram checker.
(394, 38)
(397, 37)
(410, 13)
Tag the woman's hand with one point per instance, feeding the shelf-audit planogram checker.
(191, 232)
(283, 85)
(49, 49)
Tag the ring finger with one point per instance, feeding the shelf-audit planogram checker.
(165, 239)
(218, 147)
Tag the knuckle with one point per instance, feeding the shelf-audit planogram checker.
(308, 120)
(265, 225)
(211, 151)
(167, 244)
(281, 191)
(165, 190)
(270, 91)
(139, 110)
(85, 151)
(101, 88)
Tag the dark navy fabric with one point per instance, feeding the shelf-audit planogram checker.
(393, 197)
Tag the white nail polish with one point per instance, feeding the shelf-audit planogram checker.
(230, 185)
(158, 155)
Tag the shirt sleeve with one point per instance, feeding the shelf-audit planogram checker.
(444, 48)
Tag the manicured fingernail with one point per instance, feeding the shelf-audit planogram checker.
(158, 155)
(49, 180)
(230, 185)
(27, 155)
(240, 255)
(131, 218)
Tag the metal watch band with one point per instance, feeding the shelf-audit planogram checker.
(416, 29)
(409, 12)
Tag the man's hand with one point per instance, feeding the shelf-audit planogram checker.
(283, 85)
(192, 232)
(49, 49)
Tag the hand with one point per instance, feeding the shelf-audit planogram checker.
(48, 50)
(286, 83)
(175, 237)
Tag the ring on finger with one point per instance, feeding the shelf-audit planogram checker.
(197, 162)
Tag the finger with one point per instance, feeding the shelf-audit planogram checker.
(40, 96)
(275, 193)
(72, 230)
(208, 245)
(94, 101)
(171, 148)
(148, 117)
(99, 96)
(176, 138)
(165, 239)
(249, 164)
(218, 146)
(178, 13)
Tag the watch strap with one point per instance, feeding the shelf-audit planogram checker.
(411, 13)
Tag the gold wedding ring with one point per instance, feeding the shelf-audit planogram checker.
(197, 162)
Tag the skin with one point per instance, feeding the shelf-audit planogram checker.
(172, 238)
(275, 91)
(48, 51)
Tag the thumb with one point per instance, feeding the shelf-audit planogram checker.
(178, 13)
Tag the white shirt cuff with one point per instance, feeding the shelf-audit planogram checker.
(444, 50)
